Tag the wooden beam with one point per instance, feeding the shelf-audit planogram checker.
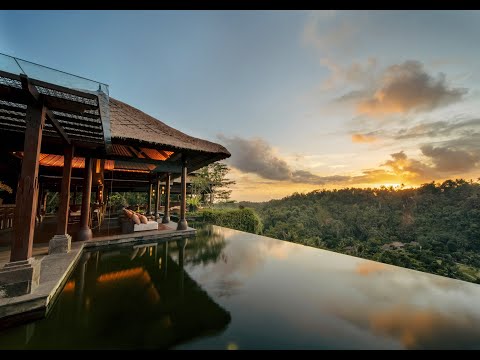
(175, 168)
(9, 75)
(177, 165)
(58, 127)
(149, 205)
(60, 104)
(176, 157)
(63, 89)
(48, 85)
(182, 222)
(27, 191)
(37, 97)
(135, 152)
(85, 233)
(140, 151)
(158, 196)
(64, 206)
(166, 213)
(29, 88)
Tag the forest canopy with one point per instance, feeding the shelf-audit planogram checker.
(433, 228)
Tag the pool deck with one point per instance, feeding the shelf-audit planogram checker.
(55, 270)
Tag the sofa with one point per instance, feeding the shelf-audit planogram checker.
(131, 221)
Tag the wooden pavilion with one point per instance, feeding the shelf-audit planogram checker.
(63, 126)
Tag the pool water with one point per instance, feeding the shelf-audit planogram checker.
(226, 289)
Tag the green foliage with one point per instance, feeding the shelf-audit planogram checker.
(239, 219)
(117, 200)
(212, 179)
(436, 225)
(193, 201)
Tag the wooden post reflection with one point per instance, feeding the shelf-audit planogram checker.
(80, 284)
(181, 257)
(164, 259)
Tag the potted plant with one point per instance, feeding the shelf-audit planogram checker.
(193, 203)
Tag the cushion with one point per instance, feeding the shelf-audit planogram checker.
(143, 219)
(151, 225)
(135, 219)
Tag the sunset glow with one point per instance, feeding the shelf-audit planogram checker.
(303, 100)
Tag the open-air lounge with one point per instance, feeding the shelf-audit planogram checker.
(63, 133)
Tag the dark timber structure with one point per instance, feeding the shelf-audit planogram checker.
(67, 131)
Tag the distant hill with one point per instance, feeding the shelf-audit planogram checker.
(433, 228)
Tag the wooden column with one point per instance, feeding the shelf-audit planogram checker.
(166, 214)
(85, 233)
(64, 206)
(182, 223)
(39, 203)
(181, 244)
(27, 191)
(106, 195)
(149, 205)
(157, 197)
(74, 202)
(45, 198)
(61, 242)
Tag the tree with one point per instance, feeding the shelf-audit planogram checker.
(212, 179)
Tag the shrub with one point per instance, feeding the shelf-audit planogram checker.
(238, 219)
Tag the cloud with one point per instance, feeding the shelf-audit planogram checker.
(468, 141)
(410, 170)
(356, 73)
(398, 169)
(375, 176)
(451, 160)
(407, 87)
(258, 157)
(363, 138)
(306, 177)
(455, 134)
(435, 129)
(366, 268)
(441, 162)
(420, 328)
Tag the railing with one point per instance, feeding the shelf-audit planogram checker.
(6, 216)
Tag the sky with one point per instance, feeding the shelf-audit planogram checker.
(303, 100)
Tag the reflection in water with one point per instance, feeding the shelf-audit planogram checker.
(227, 289)
(370, 267)
(125, 299)
(417, 328)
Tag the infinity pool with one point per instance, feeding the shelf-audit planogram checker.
(226, 289)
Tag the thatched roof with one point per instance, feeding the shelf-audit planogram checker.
(130, 124)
